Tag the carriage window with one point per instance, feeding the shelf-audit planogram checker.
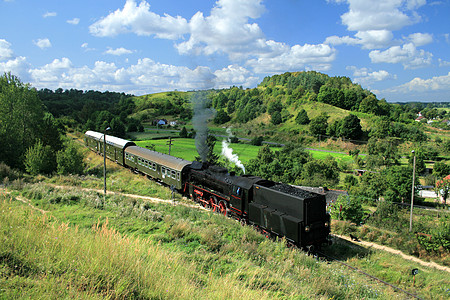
(178, 176)
(163, 170)
(173, 174)
(154, 167)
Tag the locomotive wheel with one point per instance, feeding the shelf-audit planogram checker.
(223, 208)
(212, 203)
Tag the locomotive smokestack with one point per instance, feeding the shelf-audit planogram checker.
(202, 112)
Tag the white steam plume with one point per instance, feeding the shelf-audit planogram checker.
(227, 151)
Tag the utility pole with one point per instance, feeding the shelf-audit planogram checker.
(104, 159)
(170, 144)
(412, 191)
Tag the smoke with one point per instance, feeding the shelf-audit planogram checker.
(227, 151)
(202, 112)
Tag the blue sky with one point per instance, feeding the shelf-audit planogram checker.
(399, 49)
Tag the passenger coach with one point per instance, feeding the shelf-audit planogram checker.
(167, 169)
(114, 146)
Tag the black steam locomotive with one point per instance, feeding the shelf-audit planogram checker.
(276, 209)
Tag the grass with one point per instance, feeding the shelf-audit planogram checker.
(81, 249)
(185, 148)
(91, 246)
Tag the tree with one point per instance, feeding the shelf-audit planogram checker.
(302, 117)
(382, 152)
(117, 127)
(183, 132)
(51, 132)
(369, 105)
(441, 169)
(398, 183)
(257, 141)
(319, 124)
(276, 118)
(21, 115)
(70, 160)
(347, 208)
(351, 128)
(320, 172)
(40, 159)
(274, 106)
(221, 117)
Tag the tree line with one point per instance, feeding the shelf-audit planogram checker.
(32, 139)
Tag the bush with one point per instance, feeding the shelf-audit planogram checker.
(257, 141)
(7, 172)
(39, 159)
(70, 160)
(348, 208)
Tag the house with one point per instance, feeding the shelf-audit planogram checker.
(161, 122)
(419, 118)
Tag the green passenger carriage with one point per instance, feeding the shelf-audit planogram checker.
(165, 168)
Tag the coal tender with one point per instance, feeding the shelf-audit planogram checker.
(283, 210)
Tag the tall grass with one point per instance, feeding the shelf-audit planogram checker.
(185, 253)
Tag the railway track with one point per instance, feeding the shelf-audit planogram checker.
(331, 258)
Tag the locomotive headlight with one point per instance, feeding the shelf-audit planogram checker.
(307, 228)
(327, 224)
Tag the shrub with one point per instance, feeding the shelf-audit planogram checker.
(39, 159)
(70, 160)
(257, 141)
(7, 172)
(348, 208)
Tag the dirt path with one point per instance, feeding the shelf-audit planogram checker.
(397, 252)
(146, 198)
(24, 200)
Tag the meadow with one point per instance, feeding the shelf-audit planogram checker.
(185, 148)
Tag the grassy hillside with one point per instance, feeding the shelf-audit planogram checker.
(67, 242)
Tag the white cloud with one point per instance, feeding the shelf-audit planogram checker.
(141, 21)
(371, 39)
(366, 77)
(53, 72)
(438, 83)
(118, 51)
(414, 4)
(309, 57)
(378, 15)
(227, 30)
(74, 21)
(407, 55)
(443, 63)
(234, 75)
(17, 66)
(49, 14)
(374, 22)
(43, 43)
(146, 76)
(5, 50)
(420, 39)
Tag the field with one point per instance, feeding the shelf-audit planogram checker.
(185, 148)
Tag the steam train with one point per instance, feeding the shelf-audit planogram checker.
(276, 209)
